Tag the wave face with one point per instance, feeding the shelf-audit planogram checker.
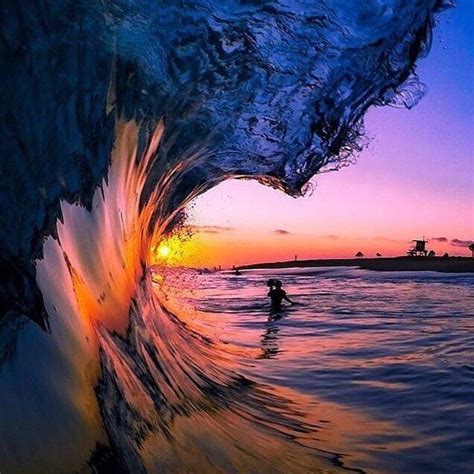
(116, 115)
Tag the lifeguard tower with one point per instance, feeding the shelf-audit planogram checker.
(419, 248)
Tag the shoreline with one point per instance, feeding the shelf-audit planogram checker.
(387, 264)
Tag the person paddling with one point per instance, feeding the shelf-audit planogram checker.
(277, 294)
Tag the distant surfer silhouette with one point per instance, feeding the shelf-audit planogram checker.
(277, 294)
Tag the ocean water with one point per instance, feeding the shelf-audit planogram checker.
(379, 367)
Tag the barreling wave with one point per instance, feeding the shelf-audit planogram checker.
(119, 117)
(162, 388)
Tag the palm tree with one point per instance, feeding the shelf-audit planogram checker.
(471, 248)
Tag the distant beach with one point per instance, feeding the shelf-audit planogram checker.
(400, 264)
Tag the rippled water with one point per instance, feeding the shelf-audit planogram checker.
(381, 364)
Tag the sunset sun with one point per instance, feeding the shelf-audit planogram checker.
(164, 250)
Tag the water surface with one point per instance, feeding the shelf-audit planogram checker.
(380, 363)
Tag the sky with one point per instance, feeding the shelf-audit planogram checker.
(415, 179)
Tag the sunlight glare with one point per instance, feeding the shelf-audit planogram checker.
(164, 250)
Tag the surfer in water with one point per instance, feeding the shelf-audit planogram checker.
(277, 294)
